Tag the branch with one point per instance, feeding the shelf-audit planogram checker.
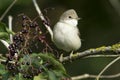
(6, 11)
(112, 62)
(45, 22)
(107, 56)
(10, 18)
(2, 60)
(5, 43)
(86, 76)
(94, 51)
(116, 5)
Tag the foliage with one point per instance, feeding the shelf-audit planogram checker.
(21, 62)
(4, 31)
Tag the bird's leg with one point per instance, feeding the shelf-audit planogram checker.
(71, 54)
(61, 57)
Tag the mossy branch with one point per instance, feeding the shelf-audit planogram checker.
(93, 51)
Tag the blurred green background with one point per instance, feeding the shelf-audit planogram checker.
(100, 26)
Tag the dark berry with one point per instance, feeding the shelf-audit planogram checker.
(12, 52)
(29, 50)
(15, 45)
(24, 17)
(45, 22)
(23, 63)
(25, 76)
(6, 61)
(46, 64)
(21, 39)
(35, 23)
(34, 33)
(12, 67)
(17, 64)
(18, 42)
(13, 74)
(40, 70)
(36, 73)
(10, 47)
(9, 68)
(27, 63)
(38, 29)
(30, 76)
(24, 31)
(15, 38)
(32, 25)
(9, 59)
(24, 25)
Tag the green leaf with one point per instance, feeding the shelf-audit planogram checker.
(4, 35)
(2, 27)
(2, 69)
(37, 77)
(6, 76)
(57, 65)
(52, 76)
(41, 76)
(9, 31)
(56, 75)
(19, 77)
(60, 74)
(4, 31)
(55, 72)
(4, 73)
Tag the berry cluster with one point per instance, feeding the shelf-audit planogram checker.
(15, 46)
(28, 71)
(12, 68)
(22, 40)
(34, 71)
(21, 47)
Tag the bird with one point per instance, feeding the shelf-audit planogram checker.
(66, 35)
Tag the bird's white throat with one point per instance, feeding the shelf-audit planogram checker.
(72, 22)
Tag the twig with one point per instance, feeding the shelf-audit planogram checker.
(45, 22)
(96, 56)
(85, 76)
(2, 60)
(5, 43)
(97, 78)
(10, 27)
(6, 11)
(95, 51)
(116, 5)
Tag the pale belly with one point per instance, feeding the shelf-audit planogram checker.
(66, 38)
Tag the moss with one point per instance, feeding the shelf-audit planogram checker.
(115, 47)
(103, 48)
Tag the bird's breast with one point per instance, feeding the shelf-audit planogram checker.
(66, 37)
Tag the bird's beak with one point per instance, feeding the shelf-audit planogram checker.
(78, 18)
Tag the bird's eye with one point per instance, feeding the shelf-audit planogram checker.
(70, 17)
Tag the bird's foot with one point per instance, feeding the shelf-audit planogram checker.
(61, 58)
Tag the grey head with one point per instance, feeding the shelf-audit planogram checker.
(69, 14)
